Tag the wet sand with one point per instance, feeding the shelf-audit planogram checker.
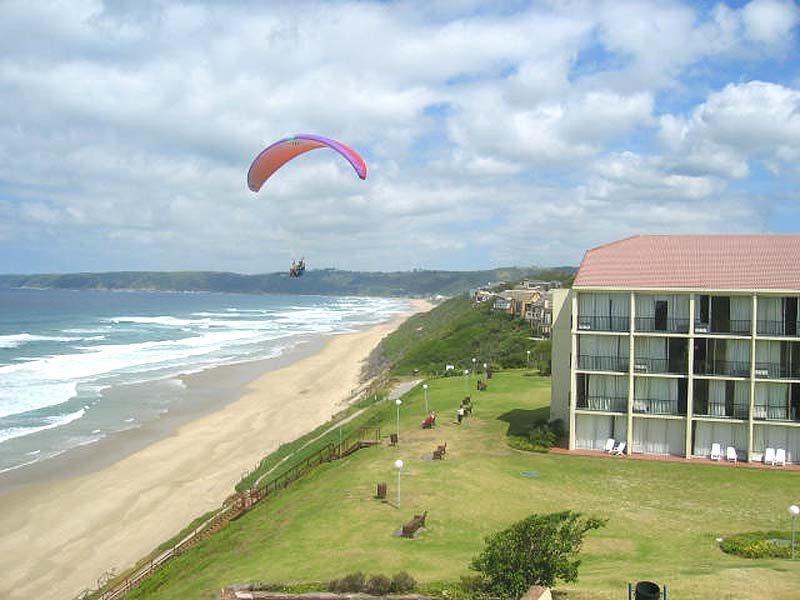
(63, 531)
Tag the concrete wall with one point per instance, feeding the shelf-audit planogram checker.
(562, 346)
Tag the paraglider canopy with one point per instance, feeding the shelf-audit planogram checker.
(278, 154)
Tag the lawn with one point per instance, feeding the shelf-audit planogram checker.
(663, 518)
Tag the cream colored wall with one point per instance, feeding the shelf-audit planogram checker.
(561, 337)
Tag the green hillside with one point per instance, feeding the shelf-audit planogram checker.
(322, 281)
(455, 332)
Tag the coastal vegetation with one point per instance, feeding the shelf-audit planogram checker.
(662, 517)
(315, 281)
(455, 332)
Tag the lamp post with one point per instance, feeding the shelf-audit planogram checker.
(466, 387)
(398, 402)
(486, 370)
(529, 358)
(794, 510)
(425, 391)
(398, 465)
(474, 360)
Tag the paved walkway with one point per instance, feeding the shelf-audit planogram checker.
(679, 459)
(398, 390)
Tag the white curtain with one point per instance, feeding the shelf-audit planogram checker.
(770, 308)
(740, 310)
(716, 398)
(603, 389)
(592, 305)
(659, 436)
(592, 431)
(604, 345)
(768, 352)
(737, 351)
(657, 395)
(645, 306)
(772, 401)
(680, 307)
(775, 436)
(603, 305)
(647, 348)
(724, 434)
(620, 305)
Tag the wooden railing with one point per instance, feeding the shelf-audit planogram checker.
(233, 507)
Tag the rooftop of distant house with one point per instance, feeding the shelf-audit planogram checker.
(701, 262)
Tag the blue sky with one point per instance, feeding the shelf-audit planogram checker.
(496, 133)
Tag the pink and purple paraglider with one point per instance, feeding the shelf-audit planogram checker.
(278, 154)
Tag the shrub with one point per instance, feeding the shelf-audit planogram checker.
(402, 583)
(542, 436)
(354, 582)
(538, 550)
(378, 585)
(759, 544)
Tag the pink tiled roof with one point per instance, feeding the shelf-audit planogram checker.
(717, 262)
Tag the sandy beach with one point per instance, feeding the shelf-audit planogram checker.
(59, 536)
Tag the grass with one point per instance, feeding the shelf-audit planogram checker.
(663, 518)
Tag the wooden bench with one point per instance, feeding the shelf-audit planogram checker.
(414, 525)
(482, 387)
(440, 451)
(393, 439)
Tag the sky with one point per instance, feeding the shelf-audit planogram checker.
(496, 133)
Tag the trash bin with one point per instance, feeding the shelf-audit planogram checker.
(647, 590)
(381, 491)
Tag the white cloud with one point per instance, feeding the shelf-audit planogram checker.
(770, 21)
(741, 123)
(124, 140)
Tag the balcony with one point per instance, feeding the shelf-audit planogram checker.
(603, 403)
(722, 411)
(776, 328)
(660, 365)
(655, 324)
(603, 363)
(603, 323)
(730, 327)
(763, 412)
(770, 370)
(657, 406)
(729, 368)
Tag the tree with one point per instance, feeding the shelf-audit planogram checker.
(539, 550)
(542, 355)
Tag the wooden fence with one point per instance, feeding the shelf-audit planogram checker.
(233, 507)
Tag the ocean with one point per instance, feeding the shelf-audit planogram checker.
(61, 352)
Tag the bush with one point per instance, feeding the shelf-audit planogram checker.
(759, 544)
(402, 583)
(538, 550)
(378, 585)
(542, 436)
(354, 582)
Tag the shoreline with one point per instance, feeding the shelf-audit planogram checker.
(208, 390)
(113, 515)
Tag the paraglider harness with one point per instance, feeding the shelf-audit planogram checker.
(298, 268)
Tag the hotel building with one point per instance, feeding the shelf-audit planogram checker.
(673, 343)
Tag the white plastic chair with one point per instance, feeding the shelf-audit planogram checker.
(780, 457)
(619, 449)
(769, 456)
(730, 454)
(609, 445)
(716, 451)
